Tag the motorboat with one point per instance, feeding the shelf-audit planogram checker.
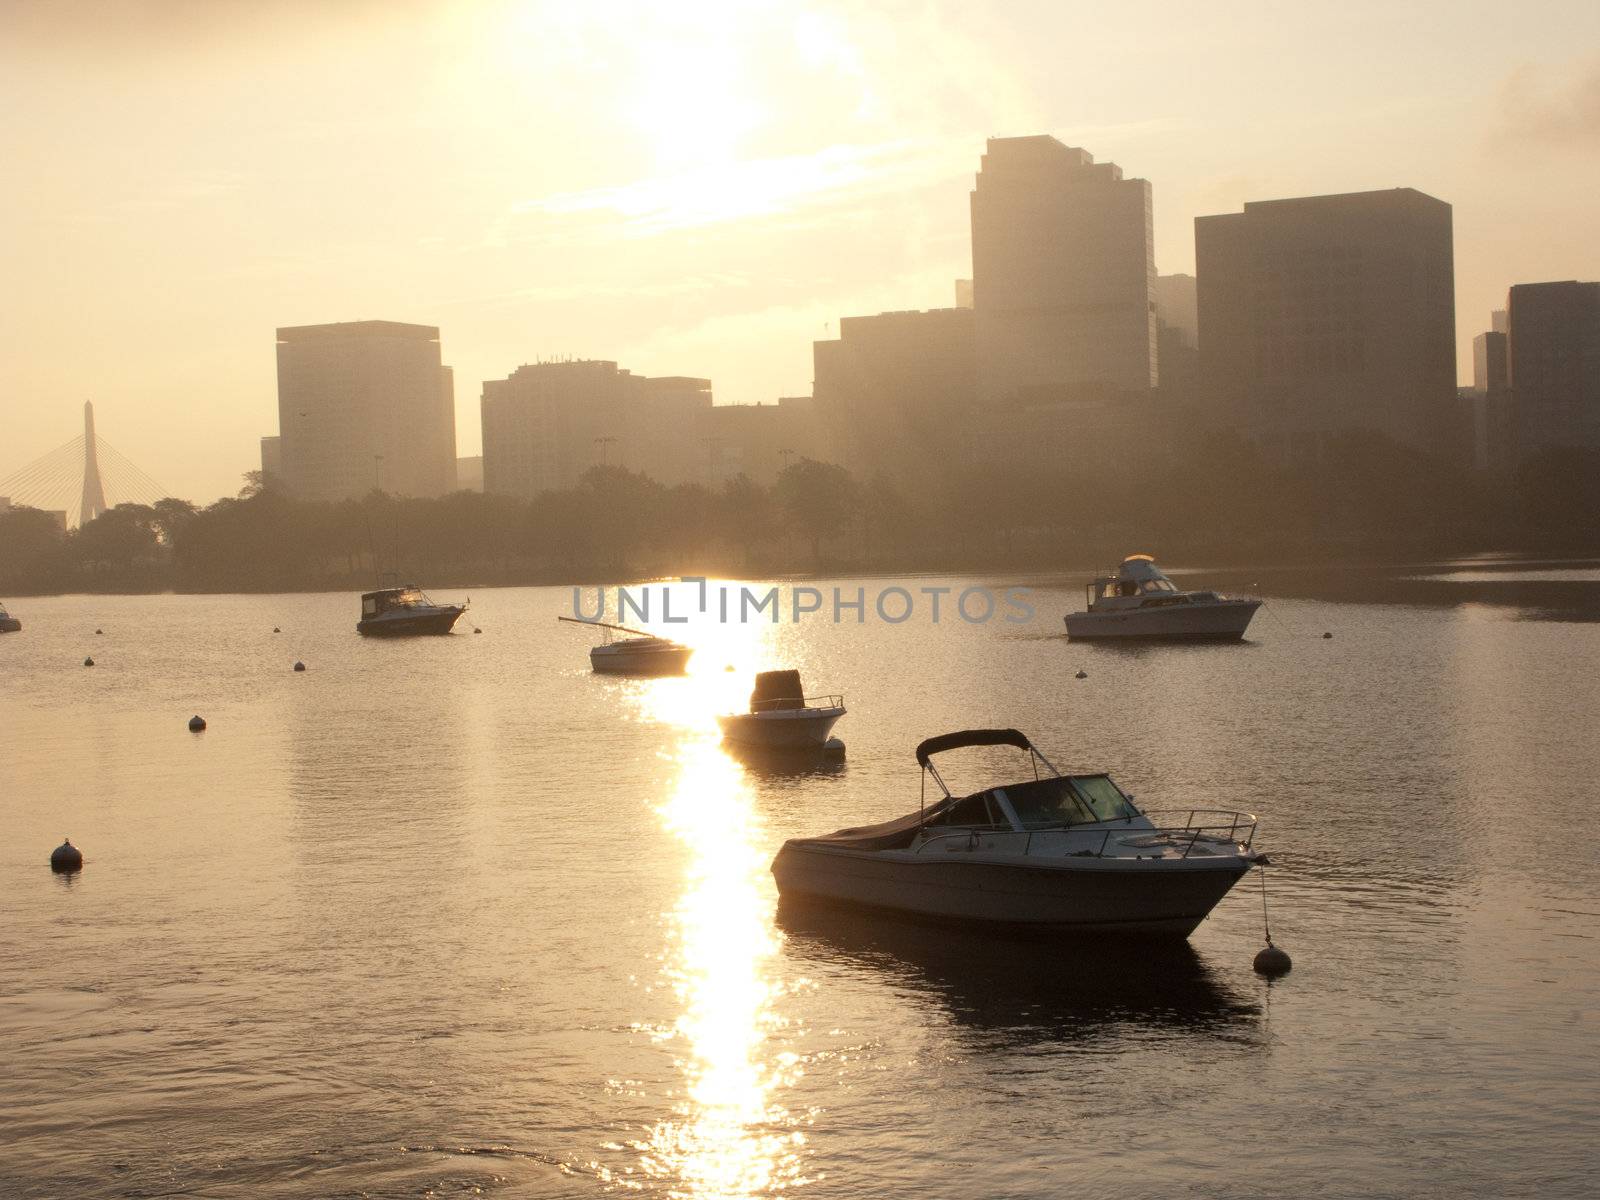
(1060, 854)
(404, 612)
(1139, 601)
(639, 653)
(8, 623)
(782, 716)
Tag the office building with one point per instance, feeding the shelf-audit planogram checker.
(469, 473)
(364, 405)
(755, 440)
(548, 423)
(1325, 315)
(1063, 274)
(272, 462)
(895, 391)
(1553, 366)
(1487, 430)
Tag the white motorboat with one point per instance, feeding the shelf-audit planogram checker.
(1066, 854)
(1139, 601)
(639, 653)
(404, 612)
(782, 716)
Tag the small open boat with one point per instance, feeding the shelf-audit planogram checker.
(1063, 854)
(782, 716)
(639, 653)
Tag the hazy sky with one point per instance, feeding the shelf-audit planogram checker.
(696, 188)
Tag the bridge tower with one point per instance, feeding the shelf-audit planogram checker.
(94, 495)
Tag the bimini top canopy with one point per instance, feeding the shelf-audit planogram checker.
(971, 737)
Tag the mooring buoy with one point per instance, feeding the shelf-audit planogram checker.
(1327, 635)
(66, 857)
(99, 632)
(275, 629)
(1082, 675)
(475, 629)
(1272, 961)
(299, 666)
(88, 662)
(196, 723)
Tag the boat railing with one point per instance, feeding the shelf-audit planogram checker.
(790, 703)
(1200, 825)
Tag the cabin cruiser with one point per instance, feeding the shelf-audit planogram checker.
(639, 653)
(8, 623)
(1139, 601)
(782, 716)
(404, 612)
(1064, 854)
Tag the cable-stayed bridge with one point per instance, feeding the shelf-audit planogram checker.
(82, 478)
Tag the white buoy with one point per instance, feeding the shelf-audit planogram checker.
(196, 723)
(66, 857)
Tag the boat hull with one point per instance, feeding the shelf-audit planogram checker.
(1063, 897)
(781, 729)
(1223, 621)
(648, 662)
(10, 625)
(436, 621)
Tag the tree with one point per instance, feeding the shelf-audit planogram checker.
(172, 516)
(818, 500)
(117, 538)
(33, 547)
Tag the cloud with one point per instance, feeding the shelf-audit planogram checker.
(1561, 109)
(744, 189)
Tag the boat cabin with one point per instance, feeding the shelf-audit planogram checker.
(777, 690)
(1040, 804)
(375, 604)
(1139, 583)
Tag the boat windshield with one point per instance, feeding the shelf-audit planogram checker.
(1076, 800)
(978, 809)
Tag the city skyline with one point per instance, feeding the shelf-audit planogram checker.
(716, 230)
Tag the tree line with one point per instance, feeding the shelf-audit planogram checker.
(1221, 502)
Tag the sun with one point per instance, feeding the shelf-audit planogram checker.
(694, 99)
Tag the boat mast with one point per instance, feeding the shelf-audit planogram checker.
(603, 625)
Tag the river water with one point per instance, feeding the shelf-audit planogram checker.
(453, 916)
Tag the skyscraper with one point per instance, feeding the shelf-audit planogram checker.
(1553, 365)
(1327, 314)
(1063, 274)
(364, 405)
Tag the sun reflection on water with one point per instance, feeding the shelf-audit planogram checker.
(728, 1135)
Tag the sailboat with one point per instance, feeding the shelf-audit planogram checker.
(639, 653)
